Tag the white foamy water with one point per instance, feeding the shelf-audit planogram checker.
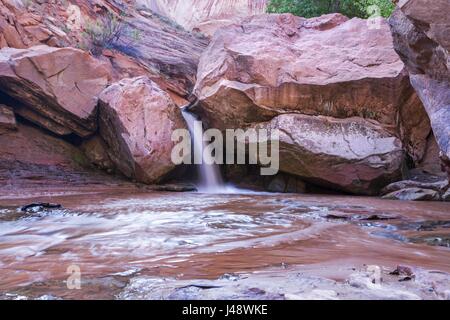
(210, 177)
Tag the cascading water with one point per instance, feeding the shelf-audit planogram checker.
(209, 174)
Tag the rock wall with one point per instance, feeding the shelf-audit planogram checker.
(205, 15)
(49, 93)
(421, 31)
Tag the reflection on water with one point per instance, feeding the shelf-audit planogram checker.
(193, 235)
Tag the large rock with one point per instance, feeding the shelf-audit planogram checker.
(54, 88)
(206, 16)
(269, 65)
(352, 155)
(421, 31)
(137, 119)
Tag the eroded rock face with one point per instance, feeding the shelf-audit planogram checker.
(137, 119)
(7, 119)
(421, 33)
(328, 66)
(55, 88)
(96, 151)
(352, 155)
(23, 28)
(37, 161)
(156, 47)
(206, 16)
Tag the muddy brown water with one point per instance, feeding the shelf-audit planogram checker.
(115, 235)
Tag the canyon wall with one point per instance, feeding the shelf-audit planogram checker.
(421, 31)
(205, 15)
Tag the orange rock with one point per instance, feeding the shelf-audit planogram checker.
(272, 66)
(57, 87)
(421, 34)
(137, 119)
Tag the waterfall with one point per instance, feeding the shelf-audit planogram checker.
(209, 174)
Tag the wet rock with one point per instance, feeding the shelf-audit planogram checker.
(39, 207)
(294, 286)
(175, 187)
(360, 217)
(230, 277)
(438, 185)
(7, 119)
(442, 240)
(57, 88)
(446, 195)
(403, 271)
(137, 120)
(413, 194)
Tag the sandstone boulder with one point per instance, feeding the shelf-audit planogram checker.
(137, 119)
(55, 88)
(352, 155)
(329, 66)
(421, 33)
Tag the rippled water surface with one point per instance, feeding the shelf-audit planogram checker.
(203, 236)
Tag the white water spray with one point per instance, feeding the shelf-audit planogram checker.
(209, 174)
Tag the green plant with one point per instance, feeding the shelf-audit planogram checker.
(109, 32)
(103, 33)
(350, 8)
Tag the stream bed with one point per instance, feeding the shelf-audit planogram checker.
(151, 245)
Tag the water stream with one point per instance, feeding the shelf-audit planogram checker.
(210, 177)
(150, 245)
(220, 243)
